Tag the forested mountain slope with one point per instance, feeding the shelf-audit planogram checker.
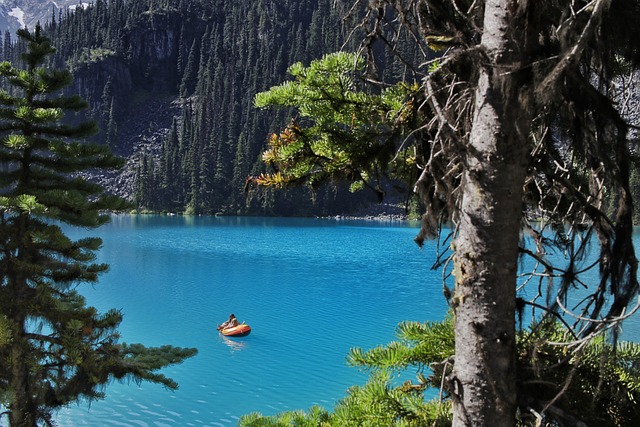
(172, 82)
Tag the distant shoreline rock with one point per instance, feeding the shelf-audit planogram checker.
(381, 217)
(376, 212)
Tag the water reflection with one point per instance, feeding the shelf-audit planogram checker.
(234, 345)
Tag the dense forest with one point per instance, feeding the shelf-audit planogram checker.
(172, 82)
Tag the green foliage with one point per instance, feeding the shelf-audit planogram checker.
(315, 417)
(325, 91)
(150, 360)
(598, 384)
(604, 388)
(54, 349)
(22, 202)
(5, 331)
(378, 403)
(375, 404)
(346, 133)
(92, 55)
(419, 345)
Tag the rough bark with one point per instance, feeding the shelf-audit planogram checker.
(22, 409)
(484, 380)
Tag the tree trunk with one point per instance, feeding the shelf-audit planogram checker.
(22, 411)
(484, 380)
(22, 406)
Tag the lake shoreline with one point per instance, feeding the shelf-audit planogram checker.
(385, 212)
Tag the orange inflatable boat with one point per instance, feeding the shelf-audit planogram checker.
(241, 330)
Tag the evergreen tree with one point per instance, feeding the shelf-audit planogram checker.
(605, 392)
(182, 53)
(352, 136)
(513, 133)
(170, 197)
(190, 71)
(7, 46)
(112, 127)
(54, 348)
(105, 107)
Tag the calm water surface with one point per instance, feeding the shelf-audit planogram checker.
(310, 289)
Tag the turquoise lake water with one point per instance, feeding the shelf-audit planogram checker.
(311, 289)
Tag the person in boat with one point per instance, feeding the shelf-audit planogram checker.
(230, 323)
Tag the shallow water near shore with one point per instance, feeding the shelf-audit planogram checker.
(310, 289)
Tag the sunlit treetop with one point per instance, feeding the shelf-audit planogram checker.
(344, 130)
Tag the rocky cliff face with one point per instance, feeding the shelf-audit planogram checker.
(138, 82)
(154, 53)
(148, 69)
(15, 14)
(144, 87)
